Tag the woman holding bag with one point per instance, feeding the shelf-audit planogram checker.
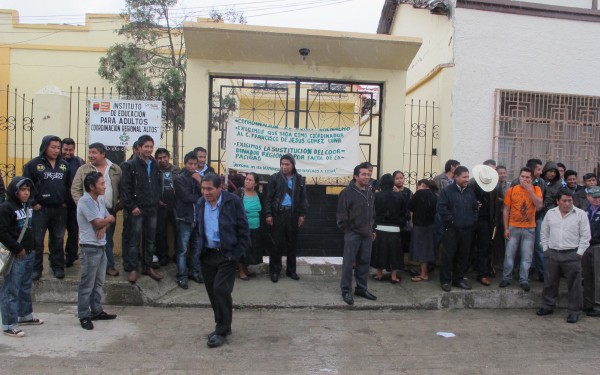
(17, 236)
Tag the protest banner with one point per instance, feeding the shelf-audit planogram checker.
(256, 147)
(121, 122)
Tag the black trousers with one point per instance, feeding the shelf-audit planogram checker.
(285, 233)
(54, 220)
(562, 263)
(457, 243)
(481, 250)
(219, 276)
(165, 218)
(72, 245)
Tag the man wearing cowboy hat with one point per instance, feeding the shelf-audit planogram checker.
(484, 183)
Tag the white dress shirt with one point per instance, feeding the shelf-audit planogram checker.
(566, 233)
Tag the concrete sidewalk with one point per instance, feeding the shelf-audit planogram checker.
(318, 288)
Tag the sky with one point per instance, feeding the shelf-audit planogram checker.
(340, 15)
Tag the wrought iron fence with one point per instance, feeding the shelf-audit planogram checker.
(19, 129)
(421, 141)
(558, 127)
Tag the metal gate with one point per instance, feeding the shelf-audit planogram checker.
(298, 104)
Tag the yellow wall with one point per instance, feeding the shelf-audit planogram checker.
(430, 76)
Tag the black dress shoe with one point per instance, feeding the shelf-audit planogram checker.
(196, 278)
(504, 284)
(182, 284)
(215, 341)
(525, 287)
(274, 277)
(572, 318)
(215, 332)
(104, 316)
(347, 297)
(293, 276)
(593, 313)
(446, 287)
(463, 285)
(59, 274)
(365, 294)
(542, 311)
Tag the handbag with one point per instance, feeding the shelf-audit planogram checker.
(7, 257)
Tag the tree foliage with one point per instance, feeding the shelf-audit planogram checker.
(152, 58)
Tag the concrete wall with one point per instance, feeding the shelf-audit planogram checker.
(505, 51)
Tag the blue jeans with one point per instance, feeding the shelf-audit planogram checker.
(93, 272)
(357, 249)
(185, 233)
(16, 292)
(520, 239)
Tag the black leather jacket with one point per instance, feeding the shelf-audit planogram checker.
(137, 188)
(276, 190)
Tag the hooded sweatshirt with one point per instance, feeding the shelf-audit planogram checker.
(552, 187)
(13, 214)
(52, 185)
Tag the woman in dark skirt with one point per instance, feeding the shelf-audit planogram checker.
(422, 245)
(253, 208)
(405, 230)
(390, 215)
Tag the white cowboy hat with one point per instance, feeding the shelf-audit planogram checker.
(486, 177)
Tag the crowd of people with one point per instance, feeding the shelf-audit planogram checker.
(544, 222)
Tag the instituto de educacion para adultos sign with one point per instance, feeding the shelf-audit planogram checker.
(256, 147)
(121, 122)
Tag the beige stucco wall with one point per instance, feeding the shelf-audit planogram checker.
(430, 76)
(394, 85)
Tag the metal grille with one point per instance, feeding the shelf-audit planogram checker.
(298, 104)
(558, 127)
(421, 141)
(16, 132)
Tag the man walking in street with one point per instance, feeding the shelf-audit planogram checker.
(93, 220)
(520, 205)
(286, 206)
(166, 205)
(112, 178)
(356, 216)
(590, 263)
(223, 237)
(565, 237)
(140, 193)
(50, 193)
(71, 247)
(458, 208)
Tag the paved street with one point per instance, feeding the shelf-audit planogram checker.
(154, 340)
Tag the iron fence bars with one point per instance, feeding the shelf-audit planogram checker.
(421, 141)
(559, 127)
(16, 132)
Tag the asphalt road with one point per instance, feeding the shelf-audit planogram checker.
(153, 340)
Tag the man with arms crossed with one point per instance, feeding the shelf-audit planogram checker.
(93, 220)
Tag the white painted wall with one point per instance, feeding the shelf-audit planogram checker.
(587, 4)
(507, 51)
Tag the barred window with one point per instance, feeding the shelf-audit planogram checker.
(558, 127)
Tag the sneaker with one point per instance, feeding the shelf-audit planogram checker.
(525, 287)
(104, 316)
(86, 323)
(15, 332)
(31, 322)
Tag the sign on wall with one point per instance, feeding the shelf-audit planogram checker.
(256, 147)
(121, 122)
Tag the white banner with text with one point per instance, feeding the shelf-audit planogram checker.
(256, 147)
(121, 122)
